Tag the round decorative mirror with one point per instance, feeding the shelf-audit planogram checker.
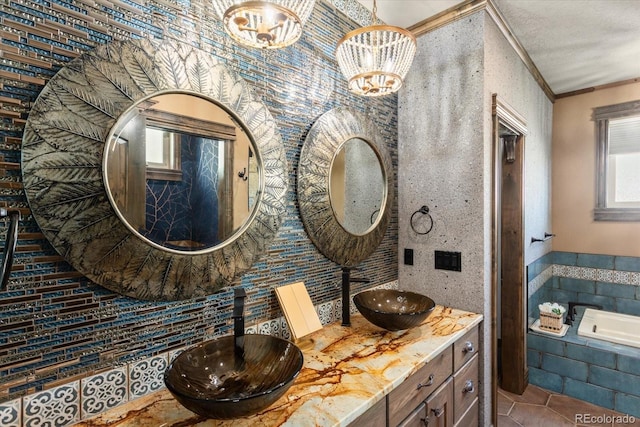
(152, 169)
(181, 173)
(344, 186)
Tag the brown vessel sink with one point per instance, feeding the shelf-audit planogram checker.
(393, 310)
(214, 380)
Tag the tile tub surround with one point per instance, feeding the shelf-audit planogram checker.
(595, 371)
(592, 370)
(610, 281)
(57, 328)
(346, 371)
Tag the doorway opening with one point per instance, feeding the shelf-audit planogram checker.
(509, 365)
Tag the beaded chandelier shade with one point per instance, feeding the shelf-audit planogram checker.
(264, 24)
(376, 59)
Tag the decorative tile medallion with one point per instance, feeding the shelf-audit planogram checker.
(59, 407)
(10, 413)
(146, 376)
(103, 391)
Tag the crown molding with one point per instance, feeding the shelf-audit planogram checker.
(469, 7)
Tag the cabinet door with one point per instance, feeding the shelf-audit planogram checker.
(440, 406)
(470, 419)
(376, 416)
(436, 411)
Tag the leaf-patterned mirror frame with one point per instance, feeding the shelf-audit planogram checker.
(62, 166)
(324, 139)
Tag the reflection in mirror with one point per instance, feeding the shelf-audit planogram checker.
(172, 174)
(357, 186)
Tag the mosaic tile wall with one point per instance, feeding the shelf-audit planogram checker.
(57, 328)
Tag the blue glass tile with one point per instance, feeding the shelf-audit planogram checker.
(629, 364)
(565, 258)
(565, 367)
(588, 392)
(545, 344)
(615, 380)
(627, 404)
(615, 290)
(592, 356)
(547, 380)
(577, 285)
(595, 261)
(627, 263)
(628, 306)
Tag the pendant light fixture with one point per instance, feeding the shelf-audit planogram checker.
(375, 59)
(264, 24)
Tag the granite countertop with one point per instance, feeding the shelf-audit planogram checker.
(346, 371)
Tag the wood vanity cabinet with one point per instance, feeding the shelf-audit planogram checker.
(442, 393)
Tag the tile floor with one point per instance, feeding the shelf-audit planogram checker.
(539, 407)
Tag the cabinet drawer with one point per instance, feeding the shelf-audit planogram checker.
(415, 389)
(464, 348)
(470, 418)
(465, 387)
(436, 411)
(376, 416)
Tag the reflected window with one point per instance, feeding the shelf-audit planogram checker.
(162, 153)
(184, 183)
(618, 158)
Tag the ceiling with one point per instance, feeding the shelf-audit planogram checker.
(575, 44)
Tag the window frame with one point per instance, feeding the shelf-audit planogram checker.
(601, 116)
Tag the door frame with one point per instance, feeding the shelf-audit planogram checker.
(503, 114)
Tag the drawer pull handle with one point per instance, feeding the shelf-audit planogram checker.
(468, 387)
(428, 383)
(438, 412)
(425, 421)
(468, 347)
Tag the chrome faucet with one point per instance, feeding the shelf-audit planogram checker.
(571, 312)
(346, 293)
(239, 295)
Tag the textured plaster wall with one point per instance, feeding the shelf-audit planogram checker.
(445, 162)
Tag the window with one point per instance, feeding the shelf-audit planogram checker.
(618, 162)
(163, 157)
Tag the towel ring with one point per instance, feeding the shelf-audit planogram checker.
(424, 210)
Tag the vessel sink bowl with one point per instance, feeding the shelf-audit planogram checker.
(393, 310)
(212, 380)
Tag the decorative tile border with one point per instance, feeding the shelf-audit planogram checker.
(598, 274)
(79, 400)
(539, 281)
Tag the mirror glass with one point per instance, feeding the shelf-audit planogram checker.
(181, 172)
(357, 186)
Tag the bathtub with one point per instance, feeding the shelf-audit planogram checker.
(613, 327)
